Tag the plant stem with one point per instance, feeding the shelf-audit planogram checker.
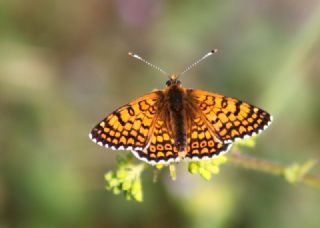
(247, 162)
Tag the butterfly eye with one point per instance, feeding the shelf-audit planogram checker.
(168, 83)
(178, 82)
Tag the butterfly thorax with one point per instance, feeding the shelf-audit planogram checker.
(175, 95)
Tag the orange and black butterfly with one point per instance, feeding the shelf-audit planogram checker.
(177, 123)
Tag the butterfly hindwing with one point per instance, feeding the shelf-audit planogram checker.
(231, 119)
(129, 126)
(161, 148)
(201, 143)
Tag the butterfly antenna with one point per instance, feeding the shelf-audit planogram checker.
(199, 60)
(147, 63)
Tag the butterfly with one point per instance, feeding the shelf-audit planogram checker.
(177, 123)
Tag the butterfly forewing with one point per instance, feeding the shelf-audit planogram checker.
(231, 119)
(130, 126)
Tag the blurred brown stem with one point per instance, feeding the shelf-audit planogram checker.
(247, 162)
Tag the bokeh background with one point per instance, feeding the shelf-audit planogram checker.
(64, 66)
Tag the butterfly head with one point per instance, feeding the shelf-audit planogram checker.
(173, 80)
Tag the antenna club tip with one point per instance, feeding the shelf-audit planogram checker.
(214, 51)
(130, 53)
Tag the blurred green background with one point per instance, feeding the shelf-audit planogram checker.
(64, 66)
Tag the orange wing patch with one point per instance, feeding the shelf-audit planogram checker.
(201, 144)
(129, 126)
(161, 149)
(231, 119)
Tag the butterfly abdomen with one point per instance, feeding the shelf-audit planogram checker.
(175, 99)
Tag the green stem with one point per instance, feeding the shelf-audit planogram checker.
(247, 162)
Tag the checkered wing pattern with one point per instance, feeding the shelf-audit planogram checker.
(231, 119)
(130, 126)
(161, 148)
(201, 142)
